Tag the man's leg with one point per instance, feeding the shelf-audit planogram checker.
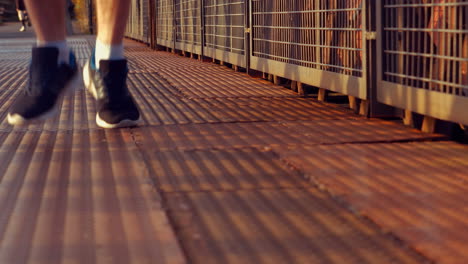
(48, 17)
(49, 24)
(53, 68)
(112, 18)
(105, 74)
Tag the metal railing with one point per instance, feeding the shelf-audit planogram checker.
(188, 25)
(423, 47)
(311, 41)
(138, 21)
(165, 24)
(225, 30)
(420, 56)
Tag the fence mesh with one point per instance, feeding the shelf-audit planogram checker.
(426, 44)
(320, 34)
(137, 26)
(224, 25)
(188, 21)
(164, 19)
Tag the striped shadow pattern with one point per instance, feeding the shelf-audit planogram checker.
(219, 170)
(80, 197)
(259, 135)
(415, 190)
(277, 226)
(72, 193)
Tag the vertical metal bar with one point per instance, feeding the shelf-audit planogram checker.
(174, 25)
(452, 50)
(459, 44)
(374, 60)
(230, 10)
(150, 23)
(379, 50)
(367, 50)
(202, 28)
(90, 17)
(422, 71)
(443, 50)
(366, 26)
(250, 34)
(318, 33)
(247, 33)
(158, 23)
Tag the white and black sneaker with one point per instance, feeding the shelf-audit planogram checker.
(108, 85)
(48, 83)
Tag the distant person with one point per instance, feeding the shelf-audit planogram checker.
(22, 14)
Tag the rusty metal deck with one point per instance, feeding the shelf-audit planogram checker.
(223, 168)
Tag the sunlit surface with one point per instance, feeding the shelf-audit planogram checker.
(223, 168)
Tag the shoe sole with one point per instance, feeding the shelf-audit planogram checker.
(123, 123)
(92, 90)
(72, 86)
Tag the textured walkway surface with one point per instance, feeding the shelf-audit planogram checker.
(223, 168)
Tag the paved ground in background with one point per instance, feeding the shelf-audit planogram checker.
(11, 30)
(223, 168)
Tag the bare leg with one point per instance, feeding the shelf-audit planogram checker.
(53, 69)
(106, 76)
(48, 17)
(112, 18)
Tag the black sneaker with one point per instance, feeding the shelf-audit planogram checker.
(108, 85)
(48, 83)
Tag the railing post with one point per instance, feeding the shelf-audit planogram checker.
(247, 33)
(90, 17)
(155, 23)
(151, 23)
(202, 29)
(372, 35)
(174, 25)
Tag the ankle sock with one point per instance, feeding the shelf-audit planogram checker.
(108, 52)
(64, 51)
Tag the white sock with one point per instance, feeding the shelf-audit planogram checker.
(64, 51)
(108, 52)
